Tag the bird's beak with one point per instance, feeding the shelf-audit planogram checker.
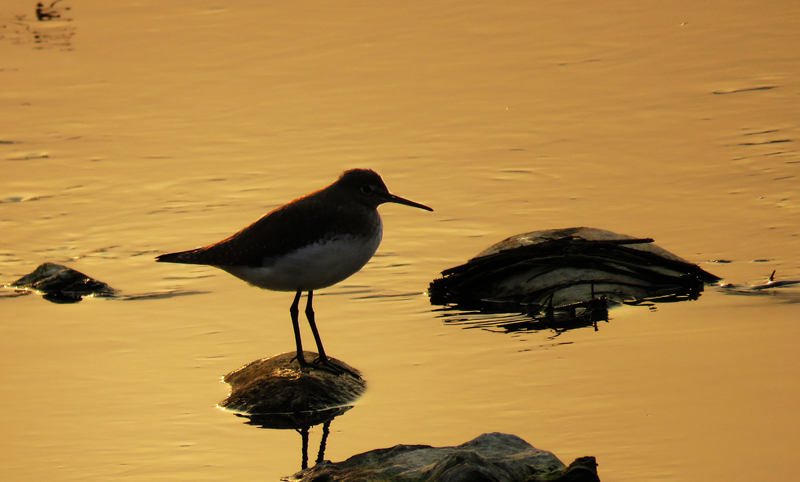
(391, 198)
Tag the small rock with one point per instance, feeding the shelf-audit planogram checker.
(61, 284)
(278, 385)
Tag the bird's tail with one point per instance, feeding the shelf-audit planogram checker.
(183, 257)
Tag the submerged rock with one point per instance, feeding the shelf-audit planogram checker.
(574, 269)
(786, 290)
(61, 284)
(491, 457)
(765, 287)
(277, 385)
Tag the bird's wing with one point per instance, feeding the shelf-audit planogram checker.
(281, 231)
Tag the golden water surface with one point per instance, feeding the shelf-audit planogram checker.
(134, 128)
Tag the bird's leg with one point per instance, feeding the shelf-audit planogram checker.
(310, 316)
(322, 361)
(294, 311)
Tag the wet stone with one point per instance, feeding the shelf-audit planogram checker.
(278, 385)
(61, 284)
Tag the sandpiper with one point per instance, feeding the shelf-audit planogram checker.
(310, 243)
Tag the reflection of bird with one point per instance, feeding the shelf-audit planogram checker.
(48, 13)
(311, 243)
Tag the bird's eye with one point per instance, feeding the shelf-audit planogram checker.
(366, 189)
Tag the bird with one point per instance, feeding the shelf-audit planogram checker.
(308, 244)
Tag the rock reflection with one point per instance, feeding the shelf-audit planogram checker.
(275, 393)
(501, 322)
(564, 279)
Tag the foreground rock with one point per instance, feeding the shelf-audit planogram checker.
(61, 284)
(575, 270)
(277, 385)
(491, 457)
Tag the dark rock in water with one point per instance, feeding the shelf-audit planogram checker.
(277, 385)
(491, 457)
(574, 269)
(61, 284)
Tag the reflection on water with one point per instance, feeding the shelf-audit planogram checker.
(302, 423)
(48, 28)
(500, 322)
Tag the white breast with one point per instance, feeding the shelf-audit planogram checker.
(313, 267)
